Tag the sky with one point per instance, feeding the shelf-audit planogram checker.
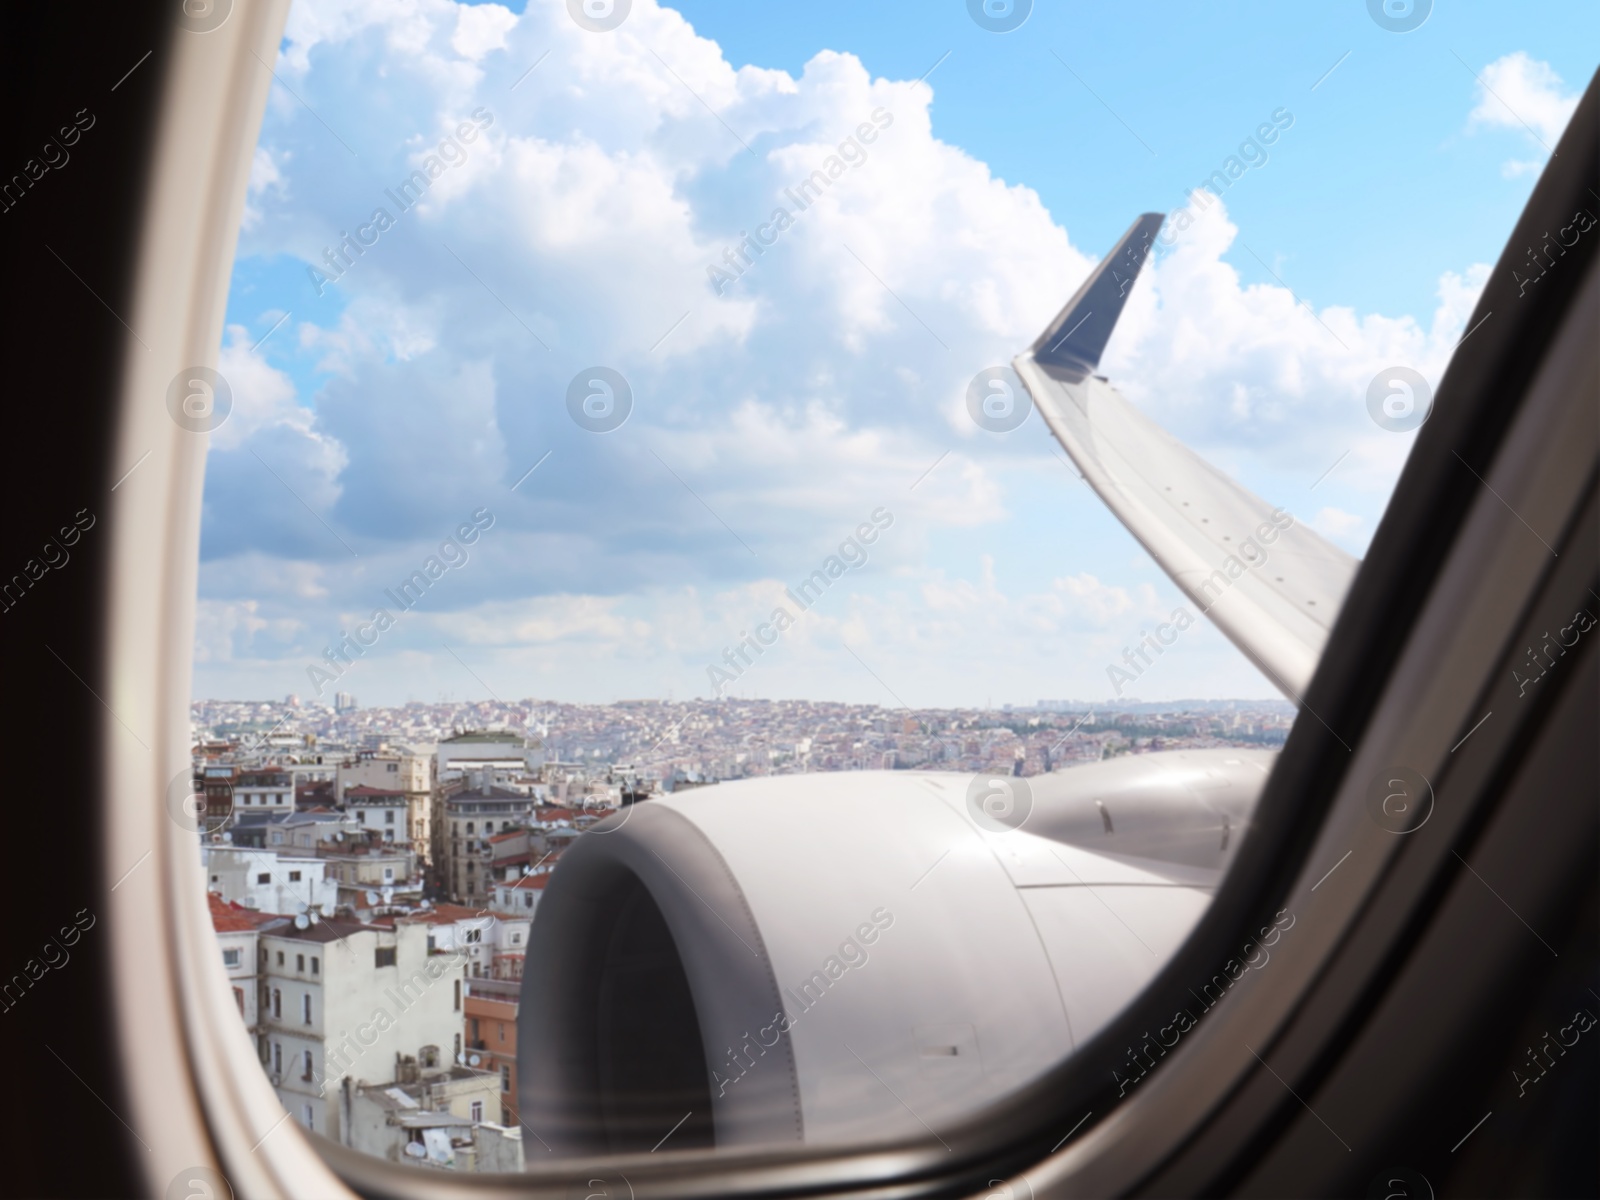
(578, 203)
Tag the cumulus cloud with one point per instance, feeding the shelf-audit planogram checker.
(613, 201)
(1521, 93)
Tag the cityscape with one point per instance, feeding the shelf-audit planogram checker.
(373, 874)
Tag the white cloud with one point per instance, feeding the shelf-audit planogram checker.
(1520, 93)
(265, 175)
(825, 381)
(1247, 369)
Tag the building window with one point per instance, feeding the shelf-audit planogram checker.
(316, 965)
(238, 998)
(383, 956)
(458, 1009)
(277, 1003)
(306, 1114)
(500, 1029)
(230, 957)
(280, 958)
(516, 939)
(294, 876)
(361, 817)
(388, 817)
(305, 1007)
(430, 1056)
(300, 962)
(469, 827)
(309, 1073)
(477, 1111)
(458, 1043)
(264, 877)
(505, 1079)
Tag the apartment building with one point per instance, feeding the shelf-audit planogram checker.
(463, 851)
(345, 1000)
(490, 1008)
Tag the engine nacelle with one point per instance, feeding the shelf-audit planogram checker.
(856, 956)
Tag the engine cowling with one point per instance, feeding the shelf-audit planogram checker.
(855, 956)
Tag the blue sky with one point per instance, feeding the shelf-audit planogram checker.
(609, 171)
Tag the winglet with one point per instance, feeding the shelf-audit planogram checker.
(1078, 336)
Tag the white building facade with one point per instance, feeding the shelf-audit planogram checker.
(340, 1000)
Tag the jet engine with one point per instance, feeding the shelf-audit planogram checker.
(857, 956)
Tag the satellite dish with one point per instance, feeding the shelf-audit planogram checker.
(427, 903)
(388, 894)
(473, 1060)
(300, 921)
(415, 1150)
(372, 897)
(461, 1058)
(337, 836)
(313, 916)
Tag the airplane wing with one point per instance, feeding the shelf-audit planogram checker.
(1268, 582)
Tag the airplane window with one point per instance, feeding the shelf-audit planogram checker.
(850, 503)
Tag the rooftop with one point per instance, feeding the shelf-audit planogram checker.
(324, 929)
(229, 917)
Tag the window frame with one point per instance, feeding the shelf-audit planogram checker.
(198, 176)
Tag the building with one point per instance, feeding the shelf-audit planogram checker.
(441, 1124)
(463, 852)
(236, 929)
(490, 1008)
(383, 810)
(396, 769)
(310, 829)
(492, 945)
(344, 1000)
(364, 868)
(520, 898)
(495, 749)
(267, 881)
(270, 789)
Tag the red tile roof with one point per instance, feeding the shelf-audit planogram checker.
(228, 917)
